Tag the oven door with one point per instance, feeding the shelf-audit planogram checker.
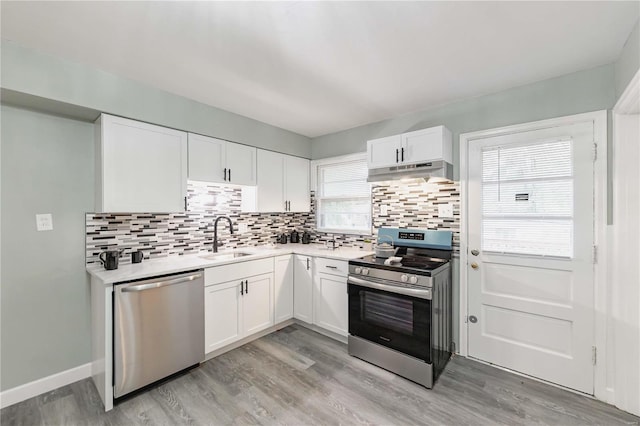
(396, 317)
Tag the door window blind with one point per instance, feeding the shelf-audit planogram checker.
(527, 199)
(344, 197)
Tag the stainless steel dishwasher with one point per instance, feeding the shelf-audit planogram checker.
(158, 329)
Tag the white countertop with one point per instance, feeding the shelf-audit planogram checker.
(174, 264)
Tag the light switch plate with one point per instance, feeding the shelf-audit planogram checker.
(445, 210)
(384, 210)
(243, 228)
(44, 222)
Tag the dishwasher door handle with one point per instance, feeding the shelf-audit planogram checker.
(158, 284)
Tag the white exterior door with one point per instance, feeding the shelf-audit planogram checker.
(530, 262)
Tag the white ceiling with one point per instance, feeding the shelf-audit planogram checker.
(320, 67)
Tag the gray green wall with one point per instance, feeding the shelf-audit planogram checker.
(34, 73)
(47, 167)
(628, 63)
(582, 91)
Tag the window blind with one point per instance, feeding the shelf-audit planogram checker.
(343, 197)
(527, 199)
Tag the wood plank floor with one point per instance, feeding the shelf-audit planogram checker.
(298, 377)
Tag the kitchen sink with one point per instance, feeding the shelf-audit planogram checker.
(226, 256)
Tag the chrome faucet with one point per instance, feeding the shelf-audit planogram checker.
(215, 231)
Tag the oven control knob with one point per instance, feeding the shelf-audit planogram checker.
(404, 278)
(413, 279)
(365, 271)
(358, 270)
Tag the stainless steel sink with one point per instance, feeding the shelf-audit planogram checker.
(225, 256)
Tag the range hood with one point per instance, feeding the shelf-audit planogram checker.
(435, 169)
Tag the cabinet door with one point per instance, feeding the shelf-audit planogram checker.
(221, 315)
(283, 288)
(143, 168)
(297, 184)
(241, 164)
(384, 152)
(270, 190)
(331, 310)
(257, 304)
(423, 145)
(206, 158)
(303, 289)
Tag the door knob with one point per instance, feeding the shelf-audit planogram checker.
(475, 252)
(474, 265)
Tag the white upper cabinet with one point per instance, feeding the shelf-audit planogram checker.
(296, 188)
(270, 190)
(434, 143)
(219, 161)
(207, 158)
(384, 151)
(241, 164)
(139, 167)
(282, 185)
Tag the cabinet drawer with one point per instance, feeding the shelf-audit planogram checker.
(237, 271)
(332, 266)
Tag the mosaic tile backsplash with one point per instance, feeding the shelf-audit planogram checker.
(413, 204)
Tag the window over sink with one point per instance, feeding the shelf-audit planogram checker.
(343, 195)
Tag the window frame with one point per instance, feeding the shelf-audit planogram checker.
(315, 186)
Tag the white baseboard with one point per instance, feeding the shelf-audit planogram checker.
(46, 384)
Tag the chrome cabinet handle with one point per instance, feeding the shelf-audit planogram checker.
(307, 263)
(396, 155)
(225, 173)
(331, 267)
(159, 284)
(402, 155)
(246, 286)
(241, 288)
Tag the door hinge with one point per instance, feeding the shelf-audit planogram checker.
(595, 151)
(594, 355)
(594, 254)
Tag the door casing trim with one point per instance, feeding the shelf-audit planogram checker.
(601, 285)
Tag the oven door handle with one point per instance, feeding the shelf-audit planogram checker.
(407, 291)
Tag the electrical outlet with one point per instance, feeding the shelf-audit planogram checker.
(243, 228)
(384, 210)
(445, 210)
(44, 222)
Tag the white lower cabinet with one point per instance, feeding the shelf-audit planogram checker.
(221, 315)
(283, 287)
(240, 307)
(331, 310)
(257, 304)
(330, 297)
(303, 288)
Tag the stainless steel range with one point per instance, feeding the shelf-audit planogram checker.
(400, 307)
